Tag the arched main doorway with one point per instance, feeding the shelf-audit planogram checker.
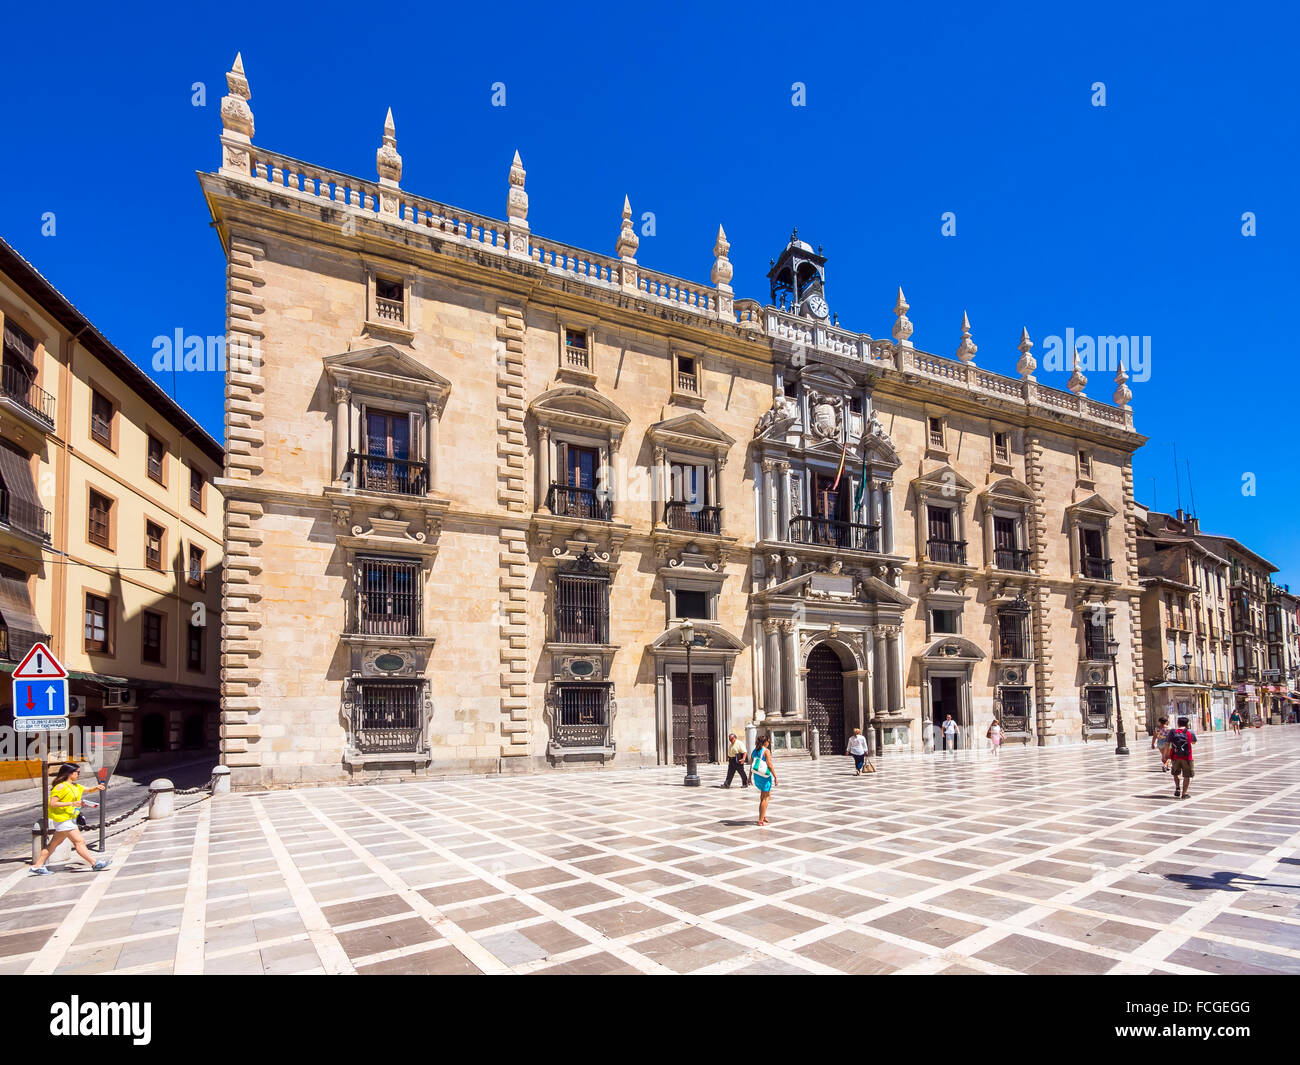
(826, 699)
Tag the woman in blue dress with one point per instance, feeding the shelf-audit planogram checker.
(763, 775)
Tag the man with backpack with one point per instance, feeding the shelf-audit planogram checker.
(1180, 742)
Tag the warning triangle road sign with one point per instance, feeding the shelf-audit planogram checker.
(39, 664)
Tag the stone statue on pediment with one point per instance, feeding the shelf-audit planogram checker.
(783, 413)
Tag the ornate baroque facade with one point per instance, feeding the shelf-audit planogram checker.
(477, 478)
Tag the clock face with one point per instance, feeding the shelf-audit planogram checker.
(817, 307)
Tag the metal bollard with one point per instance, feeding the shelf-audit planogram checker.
(221, 780)
(162, 799)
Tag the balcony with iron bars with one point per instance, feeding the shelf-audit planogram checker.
(566, 501)
(1011, 558)
(1094, 648)
(584, 624)
(1097, 569)
(21, 395)
(24, 519)
(689, 517)
(388, 721)
(829, 532)
(950, 552)
(391, 476)
(1013, 646)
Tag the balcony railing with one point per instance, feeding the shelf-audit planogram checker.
(23, 516)
(378, 474)
(950, 551)
(19, 387)
(567, 502)
(1097, 568)
(691, 518)
(1011, 558)
(576, 357)
(828, 532)
(388, 310)
(688, 383)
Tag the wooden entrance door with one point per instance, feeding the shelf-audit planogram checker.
(826, 699)
(705, 733)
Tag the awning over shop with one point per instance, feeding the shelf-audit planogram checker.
(19, 615)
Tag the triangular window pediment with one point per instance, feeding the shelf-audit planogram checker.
(1094, 505)
(944, 480)
(384, 360)
(692, 430)
(574, 404)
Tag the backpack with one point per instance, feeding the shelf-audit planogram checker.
(1180, 746)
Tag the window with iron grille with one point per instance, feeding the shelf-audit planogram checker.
(1013, 634)
(197, 481)
(387, 716)
(388, 597)
(1097, 634)
(582, 607)
(157, 452)
(583, 716)
(98, 529)
(1015, 709)
(97, 624)
(1098, 707)
(101, 419)
(195, 573)
(194, 647)
(153, 545)
(151, 646)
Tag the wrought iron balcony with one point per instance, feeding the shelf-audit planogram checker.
(587, 623)
(403, 477)
(387, 599)
(950, 551)
(691, 518)
(568, 502)
(24, 517)
(1097, 568)
(1011, 558)
(827, 532)
(19, 387)
(1098, 713)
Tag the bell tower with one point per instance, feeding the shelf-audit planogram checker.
(798, 280)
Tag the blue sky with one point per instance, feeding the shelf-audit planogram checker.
(1123, 219)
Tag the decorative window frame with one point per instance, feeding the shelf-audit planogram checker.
(575, 414)
(571, 321)
(686, 396)
(113, 509)
(942, 487)
(1007, 498)
(693, 440)
(114, 418)
(382, 328)
(1085, 467)
(931, 606)
(1091, 513)
(389, 379)
(162, 638)
(997, 464)
(941, 450)
(162, 480)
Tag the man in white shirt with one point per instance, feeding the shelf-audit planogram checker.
(735, 761)
(949, 733)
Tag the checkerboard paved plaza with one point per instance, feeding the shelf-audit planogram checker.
(1047, 861)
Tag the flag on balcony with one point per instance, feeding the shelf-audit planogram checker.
(840, 472)
(861, 493)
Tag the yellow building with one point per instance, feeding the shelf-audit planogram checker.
(110, 526)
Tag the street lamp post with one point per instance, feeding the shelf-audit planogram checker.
(692, 779)
(1112, 649)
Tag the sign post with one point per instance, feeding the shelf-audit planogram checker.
(41, 705)
(103, 753)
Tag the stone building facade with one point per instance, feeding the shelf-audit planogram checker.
(476, 479)
(111, 529)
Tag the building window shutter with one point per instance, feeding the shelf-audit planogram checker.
(417, 436)
(364, 434)
(561, 471)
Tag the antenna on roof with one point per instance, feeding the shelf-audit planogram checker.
(1178, 484)
(1190, 489)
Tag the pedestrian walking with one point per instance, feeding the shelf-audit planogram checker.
(859, 749)
(764, 775)
(1235, 722)
(735, 761)
(1160, 742)
(63, 804)
(994, 735)
(949, 733)
(1181, 740)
